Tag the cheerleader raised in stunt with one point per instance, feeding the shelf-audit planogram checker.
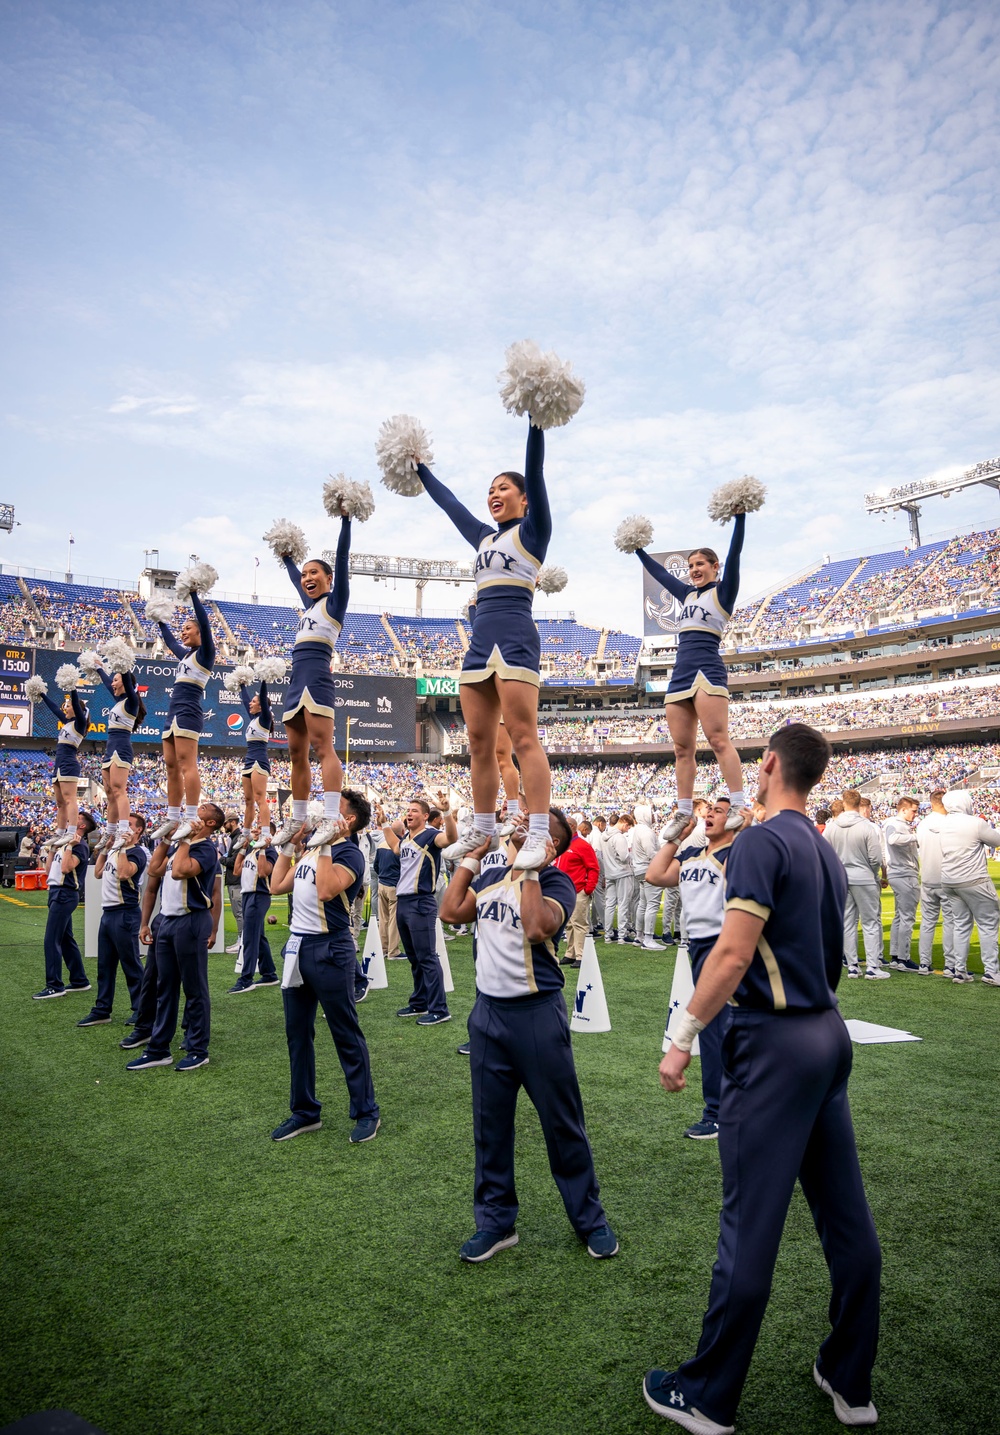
(74, 716)
(128, 712)
(309, 704)
(500, 669)
(259, 731)
(698, 691)
(195, 650)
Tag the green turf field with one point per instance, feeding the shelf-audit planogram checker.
(167, 1268)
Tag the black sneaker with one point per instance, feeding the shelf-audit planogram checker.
(433, 1018)
(134, 1039)
(95, 1018)
(83, 987)
(602, 1244)
(410, 1011)
(294, 1126)
(272, 981)
(364, 1130)
(664, 1395)
(703, 1131)
(360, 992)
(47, 993)
(145, 1061)
(485, 1244)
(239, 987)
(465, 1049)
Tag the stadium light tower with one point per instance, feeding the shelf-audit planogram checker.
(908, 496)
(417, 570)
(7, 520)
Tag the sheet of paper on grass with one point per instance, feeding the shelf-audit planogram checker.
(869, 1033)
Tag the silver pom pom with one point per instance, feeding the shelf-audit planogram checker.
(160, 607)
(552, 579)
(118, 656)
(88, 661)
(287, 540)
(632, 533)
(342, 495)
(199, 578)
(35, 688)
(541, 385)
(68, 677)
(271, 670)
(402, 443)
(240, 677)
(742, 495)
(315, 811)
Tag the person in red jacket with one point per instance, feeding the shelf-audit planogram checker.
(581, 866)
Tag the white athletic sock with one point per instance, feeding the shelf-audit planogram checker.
(538, 824)
(123, 826)
(485, 822)
(247, 831)
(738, 799)
(173, 814)
(300, 809)
(331, 804)
(513, 807)
(191, 812)
(685, 805)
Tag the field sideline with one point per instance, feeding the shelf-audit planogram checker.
(167, 1268)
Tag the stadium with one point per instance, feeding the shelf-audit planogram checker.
(614, 926)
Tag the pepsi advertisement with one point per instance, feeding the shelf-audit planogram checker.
(382, 711)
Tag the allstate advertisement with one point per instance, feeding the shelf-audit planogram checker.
(383, 711)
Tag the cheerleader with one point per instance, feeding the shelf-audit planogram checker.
(194, 649)
(309, 705)
(698, 691)
(128, 711)
(256, 764)
(500, 669)
(74, 719)
(510, 776)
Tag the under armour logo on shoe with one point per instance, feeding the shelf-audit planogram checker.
(676, 1398)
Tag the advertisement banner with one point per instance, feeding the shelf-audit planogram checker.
(437, 687)
(659, 609)
(16, 710)
(383, 711)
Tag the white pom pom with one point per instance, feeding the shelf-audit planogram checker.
(200, 578)
(68, 677)
(35, 688)
(552, 579)
(287, 540)
(632, 533)
(402, 443)
(541, 385)
(118, 656)
(240, 677)
(88, 661)
(342, 495)
(160, 607)
(742, 495)
(271, 670)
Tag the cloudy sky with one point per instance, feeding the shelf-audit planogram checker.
(239, 234)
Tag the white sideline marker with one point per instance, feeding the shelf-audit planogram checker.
(372, 959)
(442, 951)
(681, 992)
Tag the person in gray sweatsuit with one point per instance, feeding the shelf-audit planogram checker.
(967, 882)
(858, 845)
(618, 882)
(645, 845)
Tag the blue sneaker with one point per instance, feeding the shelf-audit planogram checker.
(294, 1126)
(143, 1062)
(239, 987)
(846, 1414)
(95, 1018)
(364, 1130)
(410, 1011)
(904, 964)
(272, 981)
(47, 993)
(191, 1063)
(703, 1131)
(485, 1244)
(360, 992)
(465, 1049)
(433, 1018)
(664, 1395)
(134, 1039)
(602, 1243)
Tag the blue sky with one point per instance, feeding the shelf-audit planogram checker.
(238, 235)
